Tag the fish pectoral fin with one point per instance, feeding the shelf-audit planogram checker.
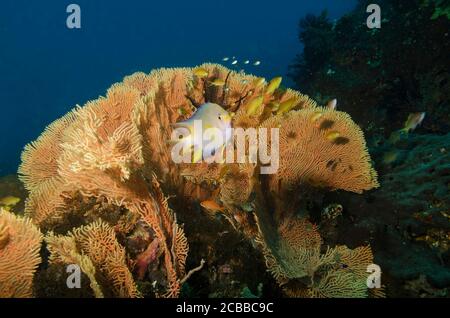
(198, 154)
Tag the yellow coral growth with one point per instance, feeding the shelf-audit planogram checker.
(20, 242)
(296, 254)
(347, 275)
(322, 147)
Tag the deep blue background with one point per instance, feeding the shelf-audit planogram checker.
(46, 68)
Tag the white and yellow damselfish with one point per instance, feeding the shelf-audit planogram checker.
(204, 135)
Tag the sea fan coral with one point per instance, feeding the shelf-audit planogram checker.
(20, 242)
(162, 220)
(322, 147)
(296, 261)
(95, 249)
(114, 151)
(63, 250)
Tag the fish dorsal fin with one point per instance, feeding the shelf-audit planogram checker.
(183, 124)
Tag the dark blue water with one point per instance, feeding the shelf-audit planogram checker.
(46, 68)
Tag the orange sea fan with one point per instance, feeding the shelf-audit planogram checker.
(94, 248)
(39, 170)
(116, 148)
(153, 117)
(20, 242)
(98, 241)
(104, 137)
(99, 148)
(157, 214)
(140, 81)
(39, 167)
(322, 147)
(64, 250)
(236, 184)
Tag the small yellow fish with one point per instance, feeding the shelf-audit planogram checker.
(259, 81)
(273, 85)
(445, 215)
(316, 116)
(254, 105)
(218, 82)
(414, 120)
(201, 72)
(9, 201)
(395, 136)
(333, 135)
(211, 206)
(181, 111)
(274, 106)
(390, 157)
(422, 238)
(287, 105)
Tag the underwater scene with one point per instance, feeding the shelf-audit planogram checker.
(225, 149)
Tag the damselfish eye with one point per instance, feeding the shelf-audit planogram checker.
(220, 117)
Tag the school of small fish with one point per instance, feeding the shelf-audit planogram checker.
(234, 61)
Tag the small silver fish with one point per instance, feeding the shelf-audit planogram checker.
(225, 59)
(332, 104)
(256, 63)
(234, 62)
(246, 62)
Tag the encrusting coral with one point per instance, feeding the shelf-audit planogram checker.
(114, 152)
(20, 242)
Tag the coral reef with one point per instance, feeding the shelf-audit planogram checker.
(98, 179)
(380, 75)
(94, 248)
(405, 221)
(20, 242)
